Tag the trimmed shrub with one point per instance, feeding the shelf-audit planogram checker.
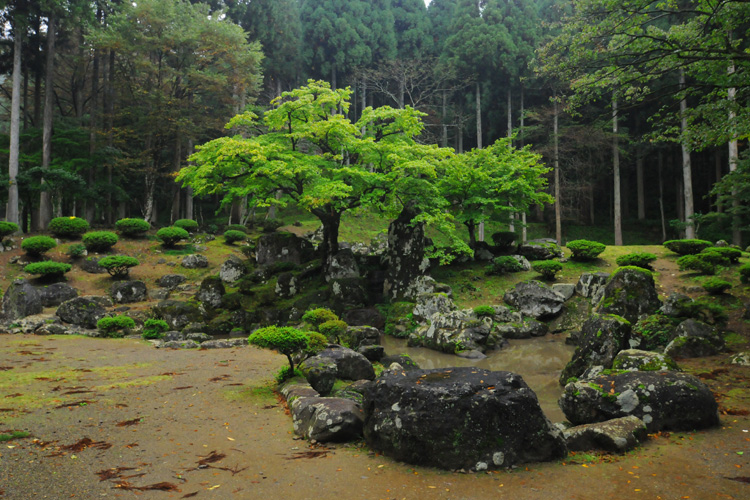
(316, 317)
(732, 255)
(585, 249)
(504, 264)
(154, 329)
(232, 236)
(713, 257)
(48, 269)
(285, 339)
(99, 241)
(705, 311)
(637, 259)
(482, 311)
(333, 329)
(687, 247)
(716, 286)
(270, 225)
(115, 326)
(118, 266)
(76, 250)
(37, 245)
(169, 236)
(696, 263)
(504, 239)
(745, 273)
(655, 331)
(236, 227)
(547, 268)
(68, 227)
(186, 224)
(7, 228)
(132, 227)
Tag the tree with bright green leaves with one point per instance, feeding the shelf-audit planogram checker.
(491, 183)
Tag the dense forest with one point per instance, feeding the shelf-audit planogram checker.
(640, 108)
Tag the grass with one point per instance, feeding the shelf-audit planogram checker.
(260, 395)
(13, 435)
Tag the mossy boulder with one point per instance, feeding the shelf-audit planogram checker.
(534, 298)
(282, 247)
(21, 299)
(178, 314)
(541, 249)
(646, 361)
(83, 311)
(695, 339)
(631, 293)
(210, 292)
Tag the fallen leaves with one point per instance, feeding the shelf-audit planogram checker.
(126, 423)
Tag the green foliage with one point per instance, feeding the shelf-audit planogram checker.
(118, 266)
(236, 227)
(232, 236)
(687, 247)
(483, 311)
(732, 255)
(48, 269)
(9, 436)
(504, 239)
(655, 331)
(37, 245)
(316, 317)
(170, 236)
(637, 259)
(585, 249)
(76, 250)
(286, 373)
(154, 329)
(132, 228)
(316, 342)
(285, 339)
(68, 227)
(706, 311)
(547, 268)
(698, 263)
(186, 224)
(716, 286)
(115, 326)
(504, 264)
(7, 228)
(270, 225)
(99, 241)
(333, 329)
(745, 273)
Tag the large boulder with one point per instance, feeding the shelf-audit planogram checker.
(534, 298)
(232, 269)
(55, 294)
(617, 435)
(602, 337)
(429, 304)
(630, 293)
(286, 285)
(675, 304)
(358, 336)
(211, 291)
(171, 281)
(405, 258)
(541, 249)
(83, 311)
(178, 314)
(522, 329)
(426, 284)
(195, 261)
(327, 419)
(348, 292)
(663, 400)
(21, 299)
(343, 265)
(126, 292)
(694, 339)
(320, 373)
(350, 365)
(282, 247)
(456, 331)
(458, 418)
(645, 361)
(364, 317)
(591, 285)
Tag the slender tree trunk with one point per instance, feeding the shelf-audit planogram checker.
(687, 175)
(717, 177)
(12, 213)
(189, 194)
(661, 199)
(523, 227)
(556, 156)
(510, 114)
(639, 182)
(401, 90)
(109, 110)
(522, 118)
(478, 94)
(38, 80)
(45, 209)
(444, 137)
(733, 156)
(177, 200)
(471, 227)
(330, 244)
(25, 93)
(616, 171)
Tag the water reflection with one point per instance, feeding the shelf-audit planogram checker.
(539, 361)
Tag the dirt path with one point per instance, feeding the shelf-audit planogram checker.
(153, 415)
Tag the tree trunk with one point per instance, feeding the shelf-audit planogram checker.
(639, 182)
(12, 214)
(661, 199)
(521, 111)
(510, 114)
(556, 160)
(189, 195)
(109, 111)
(472, 233)
(733, 156)
(616, 171)
(45, 208)
(717, 177)
(444, 137)
(687, 175)
(330, 245)
(177, 201)
(401, 90)
(523, 227)
(479, 115)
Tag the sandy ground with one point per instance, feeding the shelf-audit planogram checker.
(203, 424)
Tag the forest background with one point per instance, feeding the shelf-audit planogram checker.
(640, 107)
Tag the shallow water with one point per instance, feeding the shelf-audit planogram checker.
(538, 360)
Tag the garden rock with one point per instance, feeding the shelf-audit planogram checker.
(591, 285)
(211, 291)
(358, 336)
(663, 400)
(172, 335)
(534, 298)
(171, 281)
(198, 337)
(374, 353)
(91, 265)
(674, 305)
(504, 314)
(741, 359)
(525, 264)
(602, 337)
(224, 343)
(364, 317)
(348, 292)
(350, 365)
(194, 261)
(179, 344)
(522, 330)
(55, 294)
(429, 304)
(320, 373)
(282, 247)
(286, 285)
(425, 284)
(343, 265)
(541, 249)
(631, 294)
(158, 294)
(126, 292)
(232, 269)
(178, 314)
(565, 289)
(21, 299)
(327, 419)
(405, 259)
(694, 339)
(30, 324)
(617, 435)
(458, 418)
(637, 360)
(482, 251)
(456, 331)
(82, 311)
(404, 360)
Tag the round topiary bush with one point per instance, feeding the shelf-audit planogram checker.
(232, 236)
(503, 239)
(115, 326)
(68, 227)
(547, 268)
(696, 263)
(118, 266)
(504, 264)
(186, 224)
(316, 317)
(48, 270)
(37, 245)
(716, 286)
(482, 311)
(132, 227)
(730, 254)
(713, 257)
(99, 241)
(236, 227)
(585, 249)
(154, 329)
(285, 339)
(687, 247)
(333, 329)
(270, 225)
(76, 250)
(637, 259)
(7, 228)
(171, 235)
(745, 273)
